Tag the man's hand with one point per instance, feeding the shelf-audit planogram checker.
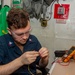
(29, 57)
(44, 54)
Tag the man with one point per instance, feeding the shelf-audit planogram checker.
(20, 51)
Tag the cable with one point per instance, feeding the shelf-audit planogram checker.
(50, 12)
(30, 70)
(61, 62)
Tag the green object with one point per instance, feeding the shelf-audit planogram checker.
(16, 1)
(3, 22)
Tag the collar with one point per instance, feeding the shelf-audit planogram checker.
(10, 41)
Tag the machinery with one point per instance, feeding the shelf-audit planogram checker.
(70, 54)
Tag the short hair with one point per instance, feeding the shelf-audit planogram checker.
(18, 18)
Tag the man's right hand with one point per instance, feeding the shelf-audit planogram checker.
(28, 57)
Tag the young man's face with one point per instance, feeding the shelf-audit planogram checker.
(20, 35)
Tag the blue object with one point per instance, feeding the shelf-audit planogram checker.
(9, 51)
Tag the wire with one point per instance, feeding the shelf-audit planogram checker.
(61, 62)
(50, 12)
(30, 70)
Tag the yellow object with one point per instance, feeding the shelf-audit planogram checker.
(4, 32)
(69, 56)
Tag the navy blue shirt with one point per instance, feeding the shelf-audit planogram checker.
(9, 51)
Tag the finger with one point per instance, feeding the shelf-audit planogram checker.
(33, 52)
(42, 49)
(44, 53)
(32, 59)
